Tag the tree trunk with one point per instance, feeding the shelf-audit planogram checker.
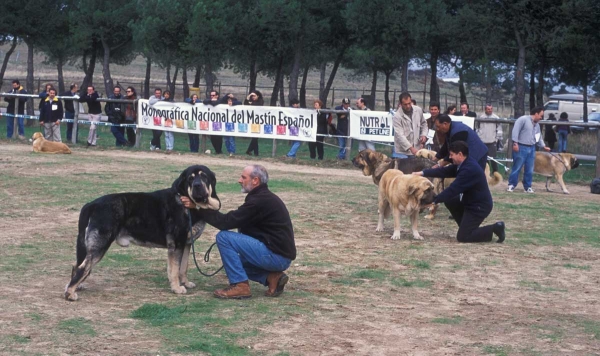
(277, 81)
(371, 104)
(209, 78)
(520, 78)
(173, 82)
(168, 76)
(386, 95)
(404, 80)
(322, 71)
(281, 91)
(336, 65)
(197, 77)
(88, 69)
(10, 51)
(303, 86)
(253, 74)
(461, 88)
(147, 77)
(434, 88)
(585, 101)
(532, 89)
(30, 107)
(108, 82)
(61, 78)
(186, 86)
(488, 83)
(294, 74)
(541, 81)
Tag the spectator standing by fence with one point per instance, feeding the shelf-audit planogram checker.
(70, 109)
(563, 131)
(451, 110)
(322, 122)
(230, 140)
(255, 98)
(410, 128)
(155, 142)
(434, 111)
(294, 103)
(464, 111)
(43, 95)
(50, 116)
(549, 133)
(490, 133)
(94, 112)
(169, 135)
(116, 116)
(363, 145)
(194, 138)
(342, 127)
(16, 106)
(215, 140)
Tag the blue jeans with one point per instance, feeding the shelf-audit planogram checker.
(245, 258)
(230, 144)
(342, 145)
(525, 157)
(194, 142)
(562, 141)
(294, 149)
(119, 133)
(10, 126)
(399, 155)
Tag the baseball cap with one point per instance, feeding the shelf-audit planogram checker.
(345, 101)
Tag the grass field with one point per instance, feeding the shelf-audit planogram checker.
(351, 290)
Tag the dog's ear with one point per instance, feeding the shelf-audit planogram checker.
(180, 183)
(213, 182)
(413, 187)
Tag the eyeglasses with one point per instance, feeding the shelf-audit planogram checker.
(213, 95)
(129, 91)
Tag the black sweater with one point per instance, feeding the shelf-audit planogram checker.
(264, 217)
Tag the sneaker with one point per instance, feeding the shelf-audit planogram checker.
(152, 147)
(511, 188)
(529, 190)
(230, 154)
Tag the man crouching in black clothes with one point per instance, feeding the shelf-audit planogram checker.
(468, 198)
(264, 245)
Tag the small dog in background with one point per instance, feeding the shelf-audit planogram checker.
(41, 145)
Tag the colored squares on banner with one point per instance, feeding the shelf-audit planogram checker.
(294, 131)
(217, 126)
(269, 129)
(179, 124)
(168, 123)
(204, 125)
(157, 121)
(255, 128)
(229, 127)
(281, 129)
(191, 125)
(242, 127)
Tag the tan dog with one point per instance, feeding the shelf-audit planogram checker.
(554, 165)
(40, 144)
(440, 185)
(403, 193)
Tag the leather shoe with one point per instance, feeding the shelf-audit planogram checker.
(276, 282)
(234, 291)
(499, 231)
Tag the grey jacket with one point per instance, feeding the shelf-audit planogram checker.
(489, 132)
(408, 129)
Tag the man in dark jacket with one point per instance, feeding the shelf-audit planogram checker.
(457, 131)
(264, 245)
(16, 110)
(468, 198)
(94, 113)
(51, 113)
(216, 140)
(464, 111)
(342, 127)
(116, 115)
(70, 109)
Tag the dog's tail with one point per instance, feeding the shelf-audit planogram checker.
(495, 179)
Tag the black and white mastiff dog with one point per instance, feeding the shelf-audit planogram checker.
(156, 219)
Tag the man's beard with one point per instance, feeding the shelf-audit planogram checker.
(246, 188)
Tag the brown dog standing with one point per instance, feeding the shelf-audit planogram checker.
(554, 165)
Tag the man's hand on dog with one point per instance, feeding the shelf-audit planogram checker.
(187, 203)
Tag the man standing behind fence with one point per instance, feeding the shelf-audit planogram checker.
(155, 143)
(464, 111)
(94, 112)
(16, 110)
(342, 127)
(363, 145)
(50, 115)
(490, 133)
(70, 110)
(410, 128)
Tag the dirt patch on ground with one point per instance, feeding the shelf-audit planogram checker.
(352, 291)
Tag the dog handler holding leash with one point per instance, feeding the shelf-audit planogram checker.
(264, 245)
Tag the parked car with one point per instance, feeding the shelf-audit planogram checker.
(593, 117)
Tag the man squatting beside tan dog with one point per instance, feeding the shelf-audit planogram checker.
(264, 245)
(468, 198)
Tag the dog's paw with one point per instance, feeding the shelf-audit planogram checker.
(429, 216)
(71, 296)
(379, 228)
(416, 236)
(565, 191)
(396, 236)
(189, 285)
(179, 290)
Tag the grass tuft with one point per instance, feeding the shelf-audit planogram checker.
(78, 326)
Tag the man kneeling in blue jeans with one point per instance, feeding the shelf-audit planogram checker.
(264, 245)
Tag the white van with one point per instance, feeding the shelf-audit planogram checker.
(572, 104)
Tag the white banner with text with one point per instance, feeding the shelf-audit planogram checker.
(378, 125)
(240, 120)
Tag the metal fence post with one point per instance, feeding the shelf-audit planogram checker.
(75, 121)
(598, 153)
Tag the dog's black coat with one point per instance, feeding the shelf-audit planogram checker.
(156, 219)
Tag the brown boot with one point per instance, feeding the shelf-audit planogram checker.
(276, 282)
(234, 291)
